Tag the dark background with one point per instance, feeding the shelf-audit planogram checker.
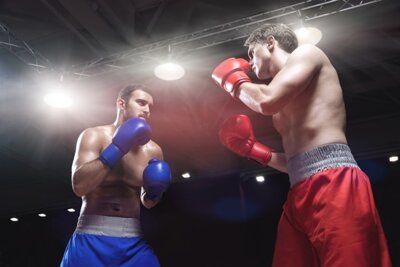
(219, 221)
(220, 217)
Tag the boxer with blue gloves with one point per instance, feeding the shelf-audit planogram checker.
(116, 168)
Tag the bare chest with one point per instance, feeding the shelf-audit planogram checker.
(128, 172)
(281, 122)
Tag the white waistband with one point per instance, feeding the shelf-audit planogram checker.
(108, 226)
(321, 158)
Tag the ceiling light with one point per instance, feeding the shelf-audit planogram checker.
(393, 158)
(186, 175)
(42, 215)
(58, 100)
(71, 210)
(308, 35)
(14, 219)
(260, 178)
(169, 71)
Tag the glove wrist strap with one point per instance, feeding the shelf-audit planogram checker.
(234, 81)
(261, 153)
(111, 155)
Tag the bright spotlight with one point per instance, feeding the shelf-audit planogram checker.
(14, 219)
(260, 178)
(186, 175)
(42, 215)
(58, 100)
(308, 35)
(169, 71)
(393, 158)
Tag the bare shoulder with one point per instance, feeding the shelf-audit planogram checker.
(154, 149)
(308, 49)
(96, 134)
(308, 52)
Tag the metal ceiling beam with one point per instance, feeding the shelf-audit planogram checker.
(238, 29)
(22, 50)
(155, 18)
(88, 16)
(123, 22)
(94, 47)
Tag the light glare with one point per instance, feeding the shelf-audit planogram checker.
(308, 35)
(186, 175)
(58, 100)
(393, 158)
(169, 71)
(260, 178)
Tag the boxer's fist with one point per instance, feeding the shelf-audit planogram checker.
(156, 178)
(236, 134)
(133, 132)
(231, 73)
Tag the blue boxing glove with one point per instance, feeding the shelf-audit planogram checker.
(156, 178)
(133, 132)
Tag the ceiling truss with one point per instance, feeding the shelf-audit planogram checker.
(184, 44)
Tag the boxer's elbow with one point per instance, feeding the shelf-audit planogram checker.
(268, 106)
(78, 187)
(78, 190)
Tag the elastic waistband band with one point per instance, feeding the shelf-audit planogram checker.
(306, 164)
(108, 226)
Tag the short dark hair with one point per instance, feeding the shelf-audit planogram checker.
(125, 92)
(283, 34)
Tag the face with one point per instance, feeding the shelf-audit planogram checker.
(260, 60)
(138, 105)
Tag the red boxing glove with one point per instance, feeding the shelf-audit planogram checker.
(236, 133)
(231, 73)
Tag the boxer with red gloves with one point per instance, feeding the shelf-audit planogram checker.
(305, 100)
(237, 134)
(116, 169)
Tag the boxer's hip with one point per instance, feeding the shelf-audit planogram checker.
(108, 226)
(306, 164)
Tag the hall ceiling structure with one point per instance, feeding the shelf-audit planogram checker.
(98, 46)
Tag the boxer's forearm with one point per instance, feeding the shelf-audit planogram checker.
(278, 161)
(88, 177)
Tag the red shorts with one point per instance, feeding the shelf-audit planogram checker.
(330, 220)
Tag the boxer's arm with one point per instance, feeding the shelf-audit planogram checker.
(278, 161)
(301, 67)
(88, 171)
(147, 203)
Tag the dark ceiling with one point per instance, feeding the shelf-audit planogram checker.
(99, 45)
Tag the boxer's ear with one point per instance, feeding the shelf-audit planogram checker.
(121, 103)
(270, 42)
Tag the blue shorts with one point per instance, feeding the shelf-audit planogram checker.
(108, 241)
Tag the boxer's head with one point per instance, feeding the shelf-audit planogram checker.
(266, 46)
(134, 101)
(285, 37)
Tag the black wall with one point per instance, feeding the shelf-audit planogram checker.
(214, 222)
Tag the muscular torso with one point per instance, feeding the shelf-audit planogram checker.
(119, 193)
(314, 117)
